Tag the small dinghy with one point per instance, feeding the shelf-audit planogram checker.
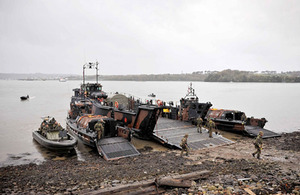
(152, 95)
(52, 136)
(24, 97)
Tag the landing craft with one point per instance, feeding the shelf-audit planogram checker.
(115, 140)
(189, 109)
(236, 121)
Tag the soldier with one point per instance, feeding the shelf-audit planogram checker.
(207, 121)
(243, 117)
(258, 144)
(99, 128)
(43, 125)
(58, 126)
(199, 124)
(184, 145)
(44, 130)
(55, 125)
(52, 123)
(211, 125)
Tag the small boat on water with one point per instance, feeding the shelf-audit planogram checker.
(62, 80)
(152, 95)
(24, 97)
(52, 136)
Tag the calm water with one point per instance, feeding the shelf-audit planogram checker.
(277, 102)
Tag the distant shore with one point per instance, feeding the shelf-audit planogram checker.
(204, 76)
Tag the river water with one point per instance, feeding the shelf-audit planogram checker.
(277, 102)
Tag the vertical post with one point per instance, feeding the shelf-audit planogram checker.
(84, 83)
(83, 74)
(97, 71)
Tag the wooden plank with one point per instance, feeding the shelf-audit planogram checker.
(192, 176)
(121, 188)
(174, 182)
(183, 180)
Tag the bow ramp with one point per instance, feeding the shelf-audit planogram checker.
(253, 131)
(115, 148)
(170, 132)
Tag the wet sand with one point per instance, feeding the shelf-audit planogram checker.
(232, 170)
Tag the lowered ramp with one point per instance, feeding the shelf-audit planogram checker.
(170, 132)
(115, 148)
(253, 132)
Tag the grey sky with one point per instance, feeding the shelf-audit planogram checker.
(149, 37)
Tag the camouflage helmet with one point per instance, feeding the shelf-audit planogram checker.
(261, 133)
(52, 120)
(186, 135)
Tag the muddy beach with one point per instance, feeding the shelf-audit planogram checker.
(232, 167)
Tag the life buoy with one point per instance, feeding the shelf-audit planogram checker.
(159, 102)
(116, 104)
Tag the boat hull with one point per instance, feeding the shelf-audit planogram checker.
(62, 145)
(86, 138)
(232, 126)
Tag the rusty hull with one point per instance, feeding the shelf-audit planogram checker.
(234, 121)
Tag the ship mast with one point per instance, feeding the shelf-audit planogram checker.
(191, 92)
(90, 65)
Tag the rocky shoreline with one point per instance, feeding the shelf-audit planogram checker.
(233, 170)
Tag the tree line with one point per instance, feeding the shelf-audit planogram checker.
(213, 76)
(246, 76)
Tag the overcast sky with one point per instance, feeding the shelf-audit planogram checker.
(149, 36)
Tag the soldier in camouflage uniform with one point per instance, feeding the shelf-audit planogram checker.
(43, 125)
(243, 117)
(199, 124)
(258, 145)
(54, 125)
(184, 145)
(44, 130)
(99, 128)
(211, 125)
(58, 126)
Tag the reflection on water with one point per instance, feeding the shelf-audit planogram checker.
(53, 155)
(144, 144)
(231, 136)
(83, 150)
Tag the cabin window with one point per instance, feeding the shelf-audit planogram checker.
(229, 116)
(238, 115)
